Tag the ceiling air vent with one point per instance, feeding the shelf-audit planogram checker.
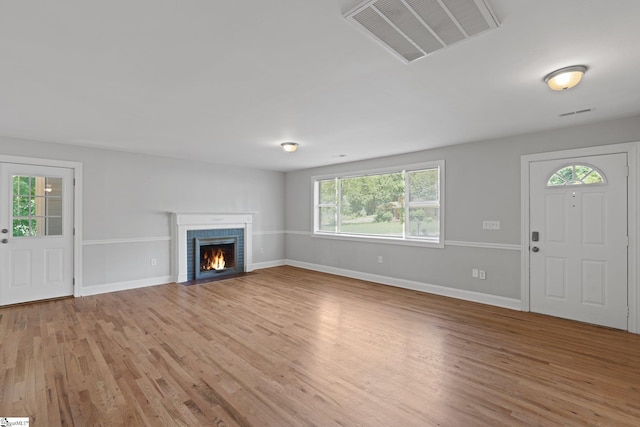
(573, 113)
(412, 29)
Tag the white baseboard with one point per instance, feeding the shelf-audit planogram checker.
(268, 264)
(154, 281)
(511, 303)
(498, 301)
(123, 286)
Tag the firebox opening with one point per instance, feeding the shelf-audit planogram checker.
(215, 256)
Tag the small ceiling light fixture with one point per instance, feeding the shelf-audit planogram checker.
(289, 147)
(565, 78)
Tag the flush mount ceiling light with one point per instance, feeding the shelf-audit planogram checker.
(289, 147)
(565, 78)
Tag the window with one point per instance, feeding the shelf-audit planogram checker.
(37, 206)
(396, 204)
(576, 175)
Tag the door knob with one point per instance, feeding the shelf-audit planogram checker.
(535, 249)
(5, 240)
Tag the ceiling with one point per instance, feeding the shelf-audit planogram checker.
(228, 81)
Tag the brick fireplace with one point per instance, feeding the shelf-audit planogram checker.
(210, 245)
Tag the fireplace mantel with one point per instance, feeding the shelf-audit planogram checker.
(183, 222)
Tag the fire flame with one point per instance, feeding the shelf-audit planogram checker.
(213, 263)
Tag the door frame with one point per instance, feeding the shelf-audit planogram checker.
(77, 208)
(632, 150)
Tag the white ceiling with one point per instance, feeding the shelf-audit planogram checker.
(228, 81)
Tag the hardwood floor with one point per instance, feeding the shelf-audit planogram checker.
(287, 346)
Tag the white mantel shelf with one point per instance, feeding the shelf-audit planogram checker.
(183, 222)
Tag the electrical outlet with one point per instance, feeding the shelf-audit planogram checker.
(474, 273)
(380, 259)
(482, 274)
(154, 262)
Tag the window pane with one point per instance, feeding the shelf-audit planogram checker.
(581, 171)
(556, 180)
(327, 219)
(23, 185)
(24, 227)
(53, 187)
(424, 222)
(16, 185)
(380, 228)
(575, 175)
(593, 178)
(327, 192)
(372, 204)
(24, 206)
(423, 186)
(54, 207)
(38, 226)
(566, 173)
(16, 206)
(37, 206)
(379, 204)
(54, 226)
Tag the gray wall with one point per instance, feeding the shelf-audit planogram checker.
(129, 196)
(482, 183)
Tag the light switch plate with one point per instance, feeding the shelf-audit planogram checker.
(491, 225)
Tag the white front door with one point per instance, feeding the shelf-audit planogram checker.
(36, 239)
(578, 239)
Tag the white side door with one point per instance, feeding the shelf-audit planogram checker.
(578, 239)
(36, 225)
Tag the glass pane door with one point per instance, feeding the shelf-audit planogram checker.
(37, 206)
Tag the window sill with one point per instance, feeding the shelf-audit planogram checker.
(381, 239)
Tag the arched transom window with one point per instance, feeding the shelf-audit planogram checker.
(576, 175)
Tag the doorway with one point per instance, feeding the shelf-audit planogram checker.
(576, 248)
(37, 222)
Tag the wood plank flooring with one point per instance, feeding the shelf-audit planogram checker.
(291, 347)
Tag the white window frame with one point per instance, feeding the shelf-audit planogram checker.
(401, 240)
